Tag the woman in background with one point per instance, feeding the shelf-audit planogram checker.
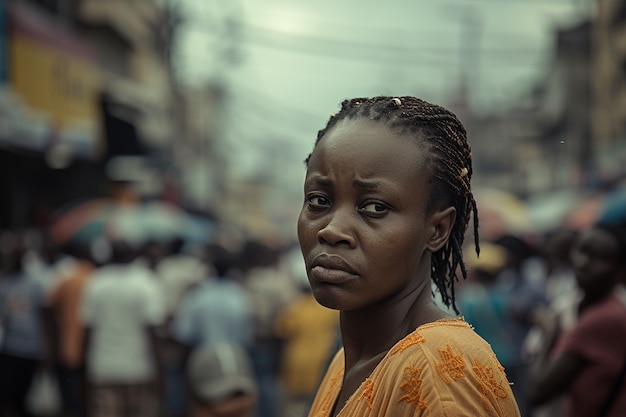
(587, 362)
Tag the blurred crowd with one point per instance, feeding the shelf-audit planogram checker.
(551, 305)
(115, 324)
(118, 327)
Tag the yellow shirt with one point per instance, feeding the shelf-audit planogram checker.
(442, 369)
(310, 331)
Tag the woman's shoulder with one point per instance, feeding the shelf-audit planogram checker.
(444, 335)
(451, 329)
(443, 364)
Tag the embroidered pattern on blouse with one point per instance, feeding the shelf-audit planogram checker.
(411, 340)
(451, 364)
(368, 392)
(500, 367)
(412, 385)
(329, 398)
(490, 387)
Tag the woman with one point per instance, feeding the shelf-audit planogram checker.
(587, 362)
(387, 202)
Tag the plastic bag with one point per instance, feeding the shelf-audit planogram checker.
(43, 398)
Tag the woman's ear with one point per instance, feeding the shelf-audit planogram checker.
(441, 223)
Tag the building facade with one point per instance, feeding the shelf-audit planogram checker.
(82, 82)
(608, 86)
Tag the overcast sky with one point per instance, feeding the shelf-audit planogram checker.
(288, 64)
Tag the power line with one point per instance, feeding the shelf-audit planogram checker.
(339, 48)
(268, 105)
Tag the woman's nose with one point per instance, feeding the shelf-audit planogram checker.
(338, 230)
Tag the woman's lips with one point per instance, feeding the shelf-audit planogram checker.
(333, 276)
(332, 269)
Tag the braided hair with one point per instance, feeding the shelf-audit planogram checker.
(450, 163)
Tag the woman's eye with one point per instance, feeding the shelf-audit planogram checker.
(374, 208)
(318, 201)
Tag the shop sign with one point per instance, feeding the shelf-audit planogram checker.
(53, 73)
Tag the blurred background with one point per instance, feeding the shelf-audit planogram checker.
(211, 106)
(181, 127)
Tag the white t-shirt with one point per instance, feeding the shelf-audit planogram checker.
(119, 303)
(177, 273)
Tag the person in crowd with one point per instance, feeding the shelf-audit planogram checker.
(555, 249)
(122, 306)
(387, 202)
(216, 311)
(523, 295)
(270, 289)
(47, 259)
(559, 284)
(22, 341)
(587, 363)
(309, 332)
(563, 296)
(65, 331)
(483, 303)
(221, 381)
(152, 253)
(178, 271)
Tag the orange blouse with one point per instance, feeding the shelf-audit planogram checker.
(441, 369)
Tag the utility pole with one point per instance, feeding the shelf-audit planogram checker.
(468, 60)
(470, 48)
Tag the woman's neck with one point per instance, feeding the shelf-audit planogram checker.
(371, 332)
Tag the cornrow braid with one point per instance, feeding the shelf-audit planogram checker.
(450, 162)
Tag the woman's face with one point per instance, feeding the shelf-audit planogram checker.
(594, 258)
(364, 227)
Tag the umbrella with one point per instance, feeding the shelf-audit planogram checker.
(160, 220)
(585, 213)
(85, 221)
(613, 208)
(547, 210)
(81, 221)
(165, 221)
(501, 213)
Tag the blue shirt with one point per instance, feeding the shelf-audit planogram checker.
(215, 312)
(21, 300)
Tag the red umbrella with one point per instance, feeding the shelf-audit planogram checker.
(81, 221)
(84, 221)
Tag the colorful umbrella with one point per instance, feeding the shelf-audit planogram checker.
(501, 213)
(85, 221)
(613, 208)
(547, 211)
(81, 221)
